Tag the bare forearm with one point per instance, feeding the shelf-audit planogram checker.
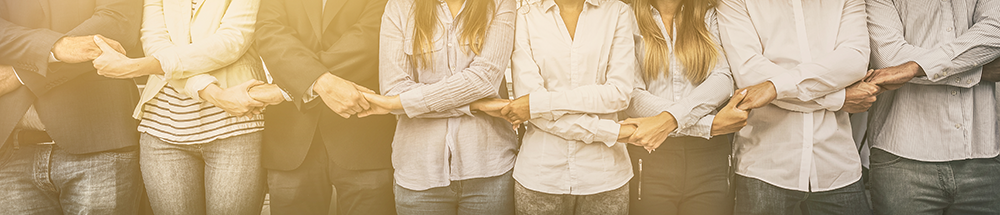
(8, 80)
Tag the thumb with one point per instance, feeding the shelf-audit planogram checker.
(364, 89)
(103, 45)
(630, 121)
(737, 98)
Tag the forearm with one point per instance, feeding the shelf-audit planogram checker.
(8, 80)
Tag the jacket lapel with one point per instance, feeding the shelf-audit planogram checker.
(332, 8)
(310, 7)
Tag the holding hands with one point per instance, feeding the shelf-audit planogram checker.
(81, 49)
(112, 62)
(342, 96)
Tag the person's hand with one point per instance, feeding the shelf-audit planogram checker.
(8, 80)
(490, 106)
(626, 131)
(757, 96)
(730, 119)
(81, 49)
(651, 131)
(991, 71)
(341, 96)
(269, 94)
(380, 104)
(892, 78)
(235, 100)
(860, 96)
(113, 64)
(518, 111)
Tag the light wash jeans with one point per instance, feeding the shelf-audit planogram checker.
(219, 177)
(45, 179)
(492, 195)
(756, 197)
(904, 186)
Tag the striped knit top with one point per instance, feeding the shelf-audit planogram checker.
(178, 119)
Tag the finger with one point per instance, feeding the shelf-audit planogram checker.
(364, 89)
(868, 75)
(737, 98)
(364, 101)
(114, 44)
(103, 45)
(630, 121)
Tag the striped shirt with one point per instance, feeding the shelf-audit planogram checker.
(949, 114)
(178, 119)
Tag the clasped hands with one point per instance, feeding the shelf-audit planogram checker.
(108, 56)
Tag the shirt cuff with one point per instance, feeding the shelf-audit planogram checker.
(607, 132)
(934, 65)
(833, 101)
(198, 83)
(166, 64)
(17, 76)
(539, 105)
(702, 128)
(285, 95)
(310, 94)
(785, 86)
(52, 58)
(682, 115)
(413, 103)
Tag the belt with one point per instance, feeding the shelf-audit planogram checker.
(33, 137)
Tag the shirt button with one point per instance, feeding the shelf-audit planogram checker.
(449, 44)
(937, 75)
(968, 81)
(958, 125)
(954, 93)
(949, 29)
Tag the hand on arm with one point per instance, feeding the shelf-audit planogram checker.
(114, 64)
(235, 100)
(650, 132)
(380, 104)
(892, 78)
(757, 96)
(8, 80)
(341, 96)
(991, 71)
(860, 96)
(731, 118)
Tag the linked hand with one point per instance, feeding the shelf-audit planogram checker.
(757, 96)
(861, 95)
(235, 100)
(380, 104)
(892, 78)
(269, 94)
(518, 111)
(650, 132)
(730, 119)
(341, 96)
(81, 49)
(490, 106)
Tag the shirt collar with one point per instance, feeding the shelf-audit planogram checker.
(549, 4)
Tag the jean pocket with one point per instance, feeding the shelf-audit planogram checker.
(881, 157)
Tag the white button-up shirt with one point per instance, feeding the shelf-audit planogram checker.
(948, 114)
(438, 139)
(577, 86)
(691, 104)
(811, 51)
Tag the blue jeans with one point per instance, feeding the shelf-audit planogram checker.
(45, 179)
(757, 197)
(492, 195)
(220, 177)
(910, 187)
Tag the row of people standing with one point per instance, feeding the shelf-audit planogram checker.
(439, 65)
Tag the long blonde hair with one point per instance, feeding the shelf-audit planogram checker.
(694, 47)
(475, 20)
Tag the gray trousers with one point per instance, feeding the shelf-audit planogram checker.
(530, 202)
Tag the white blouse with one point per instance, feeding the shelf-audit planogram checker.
(577, 86)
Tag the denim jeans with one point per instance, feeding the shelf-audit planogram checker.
(530, 202)
(492, 195)
(904, 186)
(45, 179)
(757, 197)
(219, 177)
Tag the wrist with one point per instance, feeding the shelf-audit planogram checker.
(322, 83)
(916, 68)
(210, 92)
(150, 66)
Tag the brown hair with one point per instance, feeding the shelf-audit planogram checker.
(694, 47)
(475, 20)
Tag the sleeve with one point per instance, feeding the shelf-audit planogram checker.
(587, 128)
(29, 49)
(961, 57)
(609, 97)
(481, 79)
(807, 81)
(701, 128)
(714, 91)
(180, 61)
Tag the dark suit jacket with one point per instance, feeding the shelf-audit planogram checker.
(298, 43)
(82, 111)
